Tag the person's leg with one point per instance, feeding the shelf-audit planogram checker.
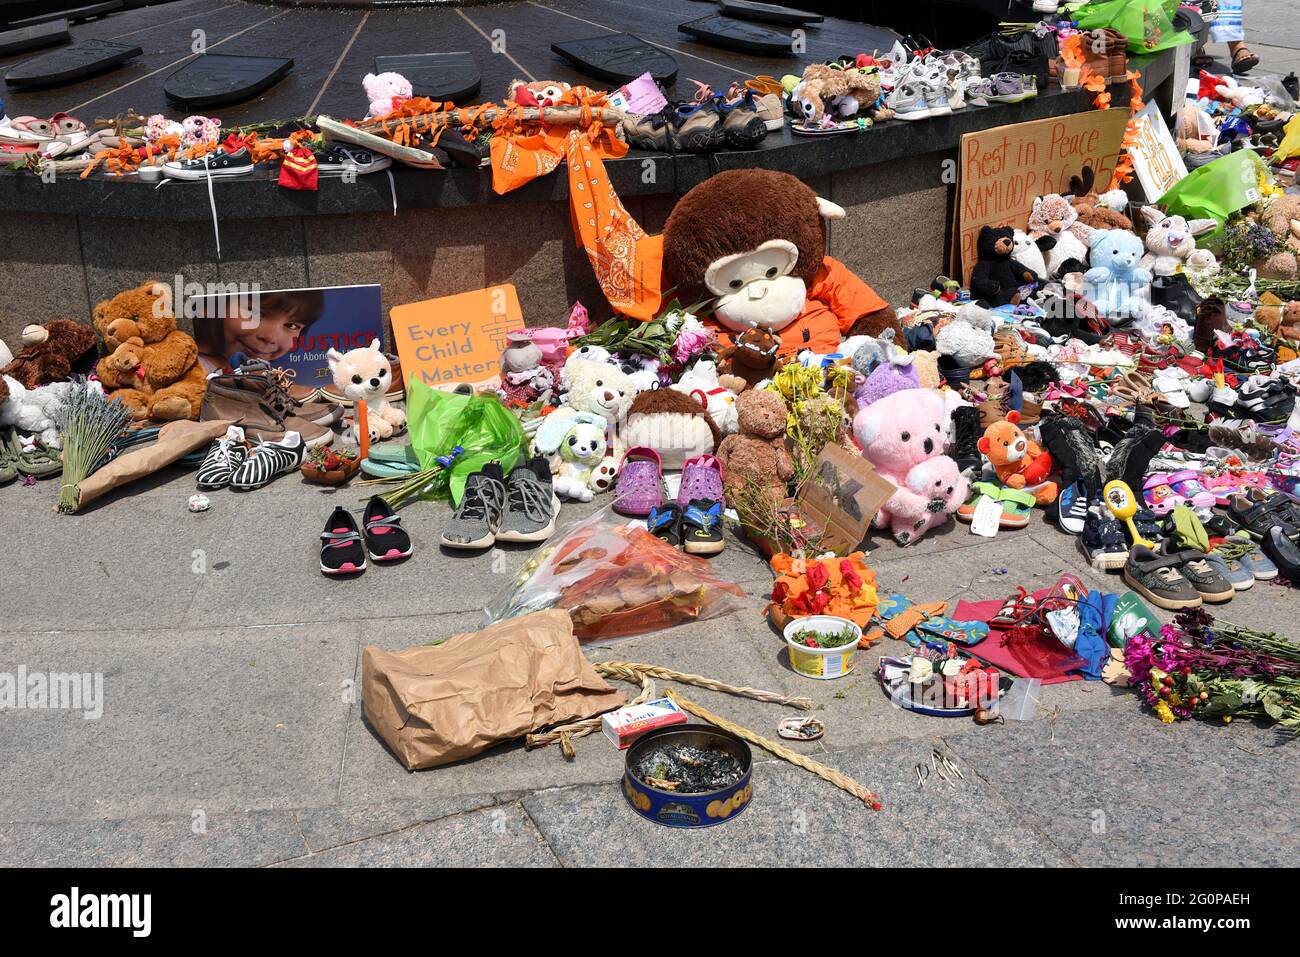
(1229, 28)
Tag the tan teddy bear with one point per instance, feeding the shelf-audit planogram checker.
(1282, 217)
(843, 94)
(152, 367)
(756, 454)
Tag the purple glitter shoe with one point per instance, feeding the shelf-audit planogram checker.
(701, 479)
(640, 483)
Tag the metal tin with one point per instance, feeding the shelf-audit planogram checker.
(703, 809)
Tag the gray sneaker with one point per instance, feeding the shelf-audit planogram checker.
(1233, 571)
(477, 519)
(1157, 578)
(531, 504)
(1209, 583)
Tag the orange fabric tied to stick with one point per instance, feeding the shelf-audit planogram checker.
(627, 262)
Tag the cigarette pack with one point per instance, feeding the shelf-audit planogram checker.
(627, 724)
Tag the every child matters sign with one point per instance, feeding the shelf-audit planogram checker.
(1002, 170)
(456, 339)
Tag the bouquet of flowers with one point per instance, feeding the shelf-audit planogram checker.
(1200, 666)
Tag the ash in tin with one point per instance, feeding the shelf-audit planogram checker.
(686, 769)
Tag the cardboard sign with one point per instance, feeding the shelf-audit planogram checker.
(1156, 160)
(842, 498)
(291, 329)
(1002, 170)
(456, 339)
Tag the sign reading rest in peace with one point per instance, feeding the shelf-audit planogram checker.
(1003, 169)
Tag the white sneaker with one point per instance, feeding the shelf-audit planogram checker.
(936, 97)
(909, 101)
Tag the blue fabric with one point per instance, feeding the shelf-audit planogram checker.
(1229, 25)
(1091, 643)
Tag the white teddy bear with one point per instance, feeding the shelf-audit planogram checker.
(602, 389)
(968, 336)
(701, 381)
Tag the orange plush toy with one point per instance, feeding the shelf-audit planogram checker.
(1019, 461)
(151, 366)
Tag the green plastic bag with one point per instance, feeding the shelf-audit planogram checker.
(480, 424)
(1146, 23)
(1216, 191)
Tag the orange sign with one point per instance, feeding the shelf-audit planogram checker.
(1002, 170)
(445, 342)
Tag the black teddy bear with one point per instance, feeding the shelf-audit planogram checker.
(997, 277)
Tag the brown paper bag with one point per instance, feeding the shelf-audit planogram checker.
(435, 705)
(175, 440)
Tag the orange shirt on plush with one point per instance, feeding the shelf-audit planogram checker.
(836, 300)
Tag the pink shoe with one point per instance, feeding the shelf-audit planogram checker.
(701, 481)
(1160, 495)
(1187, 484)
(640, 487)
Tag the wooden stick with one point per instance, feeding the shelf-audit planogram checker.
(841, 781)
(556, 115)
(631, 670)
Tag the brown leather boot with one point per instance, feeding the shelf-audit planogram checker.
(1210, 318)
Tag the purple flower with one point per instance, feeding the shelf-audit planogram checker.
(690, 344)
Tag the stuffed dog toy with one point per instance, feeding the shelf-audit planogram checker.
(576, 445)
(366, 375)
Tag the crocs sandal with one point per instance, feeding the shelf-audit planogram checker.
(1187, 485)
(1159, 494)
(640, 483)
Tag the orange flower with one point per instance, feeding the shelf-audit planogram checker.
(843, 587)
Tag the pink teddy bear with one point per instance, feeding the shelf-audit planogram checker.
(902, 435)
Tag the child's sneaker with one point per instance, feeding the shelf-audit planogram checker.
(1209, 583)
(1231, 570)
(1012, 88)
(531, 503)
(702, 528)
(266, 460)
(701, 479)
(223, 459)
(481, 508)
(386, 540)
(1102, 538)
(665, 524)
(1072, 509)
(640, 483)
(1157, 578)
(341, 551)
(1241, 548)
(908, 101)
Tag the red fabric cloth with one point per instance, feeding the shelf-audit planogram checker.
(1047, 660)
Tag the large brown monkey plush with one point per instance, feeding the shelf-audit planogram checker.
(752, 241)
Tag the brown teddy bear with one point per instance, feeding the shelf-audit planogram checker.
(48, 354)
(152, 367)
(756, 454)
(1280, 318)
(1282, 217)
(1087, 202)
(749, 360)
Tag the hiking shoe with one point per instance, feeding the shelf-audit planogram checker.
(697, 128)
(218, 163)
(701, 479)
(741, 125)
(342, 158)
(908, 101)
(482, 506)
(665, 524)
(1102, 538)
(702, 528)
(531, 503)
(386, 540)
(223, 460)
(341, 551)
(640, 483)
(314, 410)
(1072, 509)
(266, 460)
(1231, 570)
(1209, 584)
(770, 110)
(1157, 578)
(264, 410)
(651, 131)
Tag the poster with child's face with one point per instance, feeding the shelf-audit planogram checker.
(287, 328)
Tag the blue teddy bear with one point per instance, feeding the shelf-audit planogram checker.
(1115, 284)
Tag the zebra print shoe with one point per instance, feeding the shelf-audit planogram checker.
(223, 460)
(267, 460)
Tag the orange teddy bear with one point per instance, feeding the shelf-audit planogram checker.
(151, 366)
(1019, 461)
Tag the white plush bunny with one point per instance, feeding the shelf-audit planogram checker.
(1171, 243)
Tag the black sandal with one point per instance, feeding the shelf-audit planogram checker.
(1243, 61)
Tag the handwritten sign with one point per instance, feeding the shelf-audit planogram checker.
(456, 339)
(1002, 170)
(1156, 161)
